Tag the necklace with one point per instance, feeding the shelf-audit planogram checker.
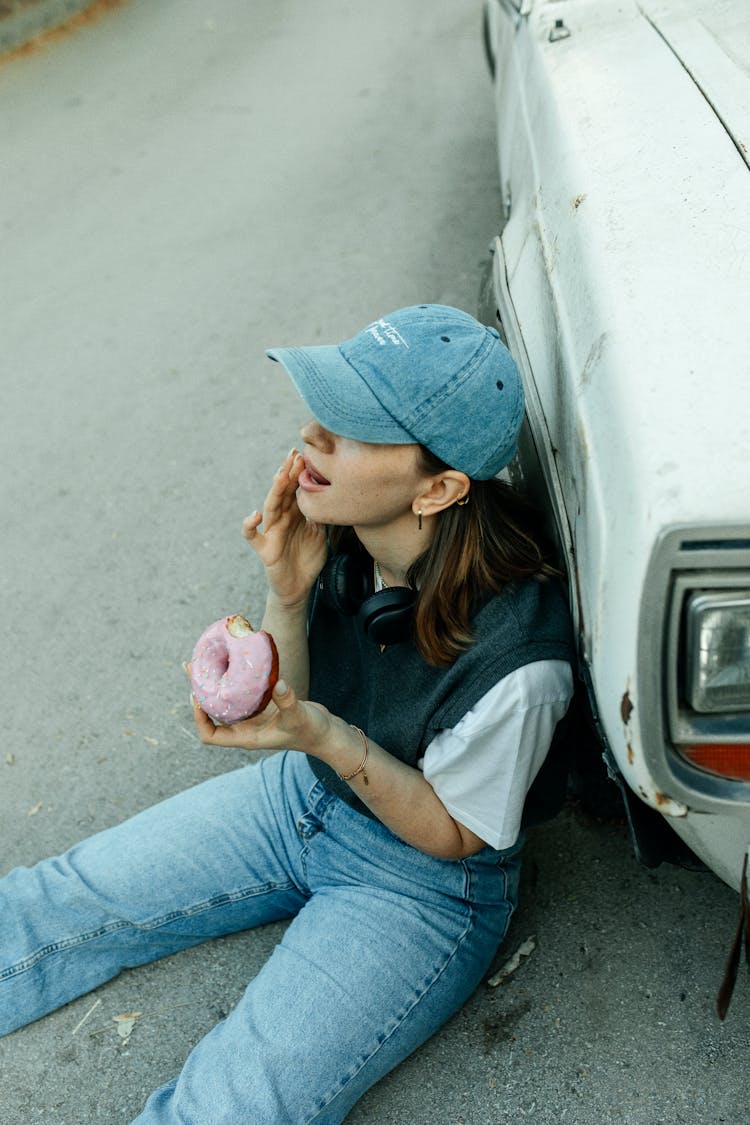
(379, 581)
(380, 584)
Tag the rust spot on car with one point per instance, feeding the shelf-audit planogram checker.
(578, 200)
(661, 798)
(626, 707)
(631, 754)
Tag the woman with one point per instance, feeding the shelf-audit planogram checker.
(425, 656)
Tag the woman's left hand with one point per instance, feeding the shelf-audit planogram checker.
(285, 724)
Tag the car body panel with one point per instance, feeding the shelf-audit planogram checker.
(622, 274)
(711, 39)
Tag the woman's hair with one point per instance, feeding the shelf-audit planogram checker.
(478, 549)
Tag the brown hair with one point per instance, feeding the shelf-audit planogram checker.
(478, 549)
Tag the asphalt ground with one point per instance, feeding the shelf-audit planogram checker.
(25, 24)
(184, 185)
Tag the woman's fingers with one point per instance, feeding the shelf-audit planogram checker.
(251, 523)
(283, 696)
(281, 500)
(206, 726)
(291, 550)
(296, 467)
(281, 494)
(241, 734)
(286, 723)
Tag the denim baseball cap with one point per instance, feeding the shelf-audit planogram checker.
(430, 374)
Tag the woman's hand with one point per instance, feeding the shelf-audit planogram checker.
(396, 793)
(291, 549)
(285, 724)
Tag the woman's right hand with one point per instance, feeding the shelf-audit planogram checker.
(292, 550)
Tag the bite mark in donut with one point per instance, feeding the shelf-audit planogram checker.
(233, 670)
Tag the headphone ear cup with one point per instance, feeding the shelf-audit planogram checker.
(386, 617)
(343, 585)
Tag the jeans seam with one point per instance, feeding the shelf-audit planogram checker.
(418, 996)
(153, 924)
(399, 1019)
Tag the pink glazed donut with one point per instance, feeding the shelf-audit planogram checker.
(233, 670)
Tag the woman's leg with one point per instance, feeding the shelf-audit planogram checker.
(390, 945)
(221, 857)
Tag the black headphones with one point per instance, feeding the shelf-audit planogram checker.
(344, 585)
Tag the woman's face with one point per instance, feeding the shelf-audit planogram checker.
(357, 484)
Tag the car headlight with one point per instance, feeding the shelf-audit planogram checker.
(695, 619)
(718, 651)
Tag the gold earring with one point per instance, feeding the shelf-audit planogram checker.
(463, 500)
(419, 520)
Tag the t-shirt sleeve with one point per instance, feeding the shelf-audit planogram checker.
(482, 768)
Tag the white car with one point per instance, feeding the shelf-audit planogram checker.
(621, 279)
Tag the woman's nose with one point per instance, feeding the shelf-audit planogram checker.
(312, 433)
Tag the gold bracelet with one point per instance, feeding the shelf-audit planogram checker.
(361, 767)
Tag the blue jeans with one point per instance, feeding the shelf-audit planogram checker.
(385, 945)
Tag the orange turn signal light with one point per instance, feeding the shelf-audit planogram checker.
(730, 759)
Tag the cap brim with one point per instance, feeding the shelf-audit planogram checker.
(338, 396)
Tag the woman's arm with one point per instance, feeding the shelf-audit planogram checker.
(288, 626)
(398, 794)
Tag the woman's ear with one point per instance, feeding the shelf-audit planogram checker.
(444, 490)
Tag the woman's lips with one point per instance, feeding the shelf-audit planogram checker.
(311, 480)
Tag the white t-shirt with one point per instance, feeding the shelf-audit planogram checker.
(482, 768)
